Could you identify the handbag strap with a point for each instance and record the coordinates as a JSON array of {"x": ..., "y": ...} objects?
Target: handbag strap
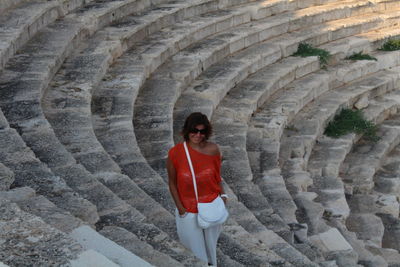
[{"x": 191, "y": 169}]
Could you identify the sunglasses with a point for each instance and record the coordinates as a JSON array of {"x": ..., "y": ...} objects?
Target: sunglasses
[{"x": 195, "y": 131}]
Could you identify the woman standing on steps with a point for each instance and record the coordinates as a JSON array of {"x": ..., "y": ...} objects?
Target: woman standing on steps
[{"x": 206, "y": 160}]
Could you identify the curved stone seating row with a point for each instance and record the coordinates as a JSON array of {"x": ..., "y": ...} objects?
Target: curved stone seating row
[
  {"x": 8, "y": 4},
  {"x": 260, "y": 121},
  {"x": 88, "y": 238},
  {"x": 273, "y": 118},
  {"x": 15, "y": 32},
  {"x": 39, "y": 14},
  {"x": 236, "y": 129},
  {"x": 359, "y": 174},
  {"x": 35, "y": 236},
  {"x": 329, "y": 187},
  {"x": 215, "y": 46},
  {"x": 309, "y": 131},
  {"x": 363, "y": 204},
  {"x": 148, "y": 135},
  {"x": 332, "y": 194},
  {"x": 92, "y": 163},
  {"x": 309, "y": 124},
  {"x": 286, "y": 44},
  {"x": 75, "y": 173},
  {"x": 29, "y": 171},
  {"x": 386, "y": 183},
  {"x": 6, "y": 177},
  {"x": 38, "y": 134},
  {"x": 138, "y": 170}
]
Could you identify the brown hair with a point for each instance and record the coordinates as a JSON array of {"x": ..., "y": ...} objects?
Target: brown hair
[{"x": 194, "y": 119}]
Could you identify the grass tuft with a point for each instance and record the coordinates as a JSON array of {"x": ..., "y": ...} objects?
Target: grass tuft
[
  {"x": 306, "y": 50},
  {"x": 351, "y": 121},
  {"x": 361, "y": 56},
  {"x": 391, "y": 45}
]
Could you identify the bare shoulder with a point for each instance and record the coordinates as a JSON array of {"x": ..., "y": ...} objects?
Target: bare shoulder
[{"x": 212, "y": 149}]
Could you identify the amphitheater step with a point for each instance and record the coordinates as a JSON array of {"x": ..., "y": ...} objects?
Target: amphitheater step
[
  {"x": 29, "y": 171},
  {"x": 205, "y": 48},
  {"x": 365, "y": 257},
  {"x": 129, "y": 241},
  {"x": 300, "y": 121},
  {"x": 362, "y": 182},
  {"x": 84, "y": 235},
  {"x": 89, "y": 162},
  {"x": 115, "y": 209},
  {"x": 30, "y": 241},
  {"x": 89, "y": 239},
  {"x": 15, "y": 32},
  {"x": 332, "y": 193},
  {"x": 6, "y": 177},
  {"x": 282, "y": 46}
]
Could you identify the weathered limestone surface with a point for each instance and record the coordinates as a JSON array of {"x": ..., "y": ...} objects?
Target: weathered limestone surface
[
  {"x": 6, "y": 177},
  {"x": 93, "y": 93},
  {"x": 27, "y": 240}
]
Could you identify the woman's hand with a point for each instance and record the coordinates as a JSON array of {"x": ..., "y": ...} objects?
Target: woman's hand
[
  {"x": 182, "y": 211},
  {"x": 224, "y": 198}
]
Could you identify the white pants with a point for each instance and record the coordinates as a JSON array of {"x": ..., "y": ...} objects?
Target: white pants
[{"x": 202, "y": 242}]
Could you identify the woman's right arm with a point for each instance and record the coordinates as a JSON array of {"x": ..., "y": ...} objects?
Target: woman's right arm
[{"x": 173, "y": 188}]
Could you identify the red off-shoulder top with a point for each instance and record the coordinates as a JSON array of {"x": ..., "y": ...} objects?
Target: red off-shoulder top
[{"x": 207, "y": 169}]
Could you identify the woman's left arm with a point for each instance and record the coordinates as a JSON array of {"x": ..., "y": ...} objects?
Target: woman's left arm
[{"x": 223, "y": 195}]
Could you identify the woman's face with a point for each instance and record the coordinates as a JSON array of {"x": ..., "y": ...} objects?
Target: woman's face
[{"x": 197, "y": 134}]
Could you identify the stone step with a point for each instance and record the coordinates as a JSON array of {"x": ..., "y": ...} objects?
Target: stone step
[
  {"x": 8, "y": 4},
  {"x": 30, "y": 171},
  {"x": 73, "y": 128},
  {"x": 363, "y": 201},
  {"x": 92, "y": 166},
  {"x": 365, "y": 257},
  {"x": 88, "y": 238},
  {"x": 244, "y": 104},
  {"x": 27, "y": 240},
  {"x": 227, "y": 73},
  {"x": 7, "y": 177},
  {"x": 36, "y": 14},
  {"x": 37, "y": 132},
  {"x": 285, "y": 104},
  {"x": 300, "y": 183},
  {"x": 367, "y": 163},
  {"x": 130, "y": 242},
  {"x": 297, "y": 142},
  {"x": 208, "y": 49},
  {"x": 332, "y": 192},
  {"x": 391, "y": 256}
]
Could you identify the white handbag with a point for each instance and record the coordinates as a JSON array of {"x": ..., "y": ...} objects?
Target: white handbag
[{"x": 212, "y": 213}]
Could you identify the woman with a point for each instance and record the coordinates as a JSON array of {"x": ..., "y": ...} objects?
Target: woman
[{"x": 206, "y": 160}]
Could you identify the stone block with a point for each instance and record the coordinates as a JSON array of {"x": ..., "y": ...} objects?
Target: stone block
[
  {"x": 138, "y": 247},
  {"x": 388, "y": 204},
  {"x": 92, "y": 258},
  {"x": 362, "y": 102},
  {"x": 391, "y": 236},
  {"x": 330, "y": 241},
  {"x": 310, "y": 213},
  {"x": 27, "y": 240},
  {"x": 18, "y": 194},
  {"x": 367, "y": 227},
  {"x": 3, "y": 121},
  {"x": 388, "y": 185},
  {"x": 363, "y": 203},
  {"x": 6, "y": 177},
  {"x": 92, "y": 240}
]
